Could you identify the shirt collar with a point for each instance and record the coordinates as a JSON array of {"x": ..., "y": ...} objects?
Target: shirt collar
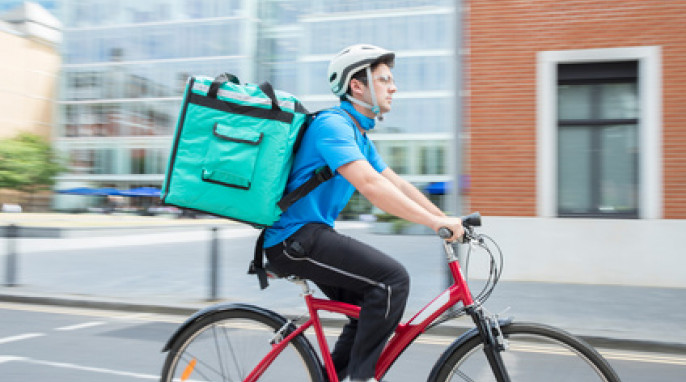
[{"x": 365, "y": 122}]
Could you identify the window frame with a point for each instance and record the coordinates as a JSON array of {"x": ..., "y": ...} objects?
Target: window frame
[
  {"x": 595, "y": 76},
  {"x": 650, "y": 172}
]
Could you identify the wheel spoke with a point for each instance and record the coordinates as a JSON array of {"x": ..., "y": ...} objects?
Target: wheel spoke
[
  {"x": 220, "y": 358},
  {"x": 200, "y": 365},
  {"x": 464, "y": 376}
]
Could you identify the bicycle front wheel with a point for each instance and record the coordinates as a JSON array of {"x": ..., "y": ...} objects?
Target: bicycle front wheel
[
  {"x": 228, "y": 345},
  {"x": 536, "y": 353}
]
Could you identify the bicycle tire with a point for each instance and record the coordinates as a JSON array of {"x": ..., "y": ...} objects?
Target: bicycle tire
[
  {"x": 536, "y": 353},
  {"x": 227, "y": 345}
]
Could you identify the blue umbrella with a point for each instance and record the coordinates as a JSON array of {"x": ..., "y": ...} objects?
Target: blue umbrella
[
  {"x": 90, "y": 191},
  {"x": 443, "y": 188},
  {"x": 439, "y": 188},
  {"x": 142, "y": 191},
  {"x": 79, "y": 191},
  {"x": 107, "y": 191}
]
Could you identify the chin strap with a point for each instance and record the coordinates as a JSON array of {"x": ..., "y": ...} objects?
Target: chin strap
[{"x": 375, "y": 107}]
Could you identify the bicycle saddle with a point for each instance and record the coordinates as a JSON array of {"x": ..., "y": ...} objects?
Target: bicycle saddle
[{"x": 274, "y": 273}]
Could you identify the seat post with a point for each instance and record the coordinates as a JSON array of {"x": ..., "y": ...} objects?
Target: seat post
[{"x": 307, "y": 291}]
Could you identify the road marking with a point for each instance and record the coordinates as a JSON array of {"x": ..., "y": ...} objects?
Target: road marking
[
  {"x": 78, "y": 367},
  {"x": 92, "y": 312},
  {"x": 644, "y": 357},
  {"x": 60, "y": 310},
  {"x": 430, "y": 339},
  {"x": 5, "y": 358},
  {"x": 81, "y": 326},
  {"x": 91, "y": 369},
  {"x": 20, "y": 337}
]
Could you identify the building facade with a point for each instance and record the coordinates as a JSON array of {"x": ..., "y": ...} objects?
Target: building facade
[
  {"x": 557, "y": 81},
  {"x": 576, "y": 127},
  {"x": 125, "y": 65},
  {"x": 29, "y": 41}
]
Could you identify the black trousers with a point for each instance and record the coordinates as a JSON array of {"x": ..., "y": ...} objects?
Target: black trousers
[{"x": 350, "y": 271}]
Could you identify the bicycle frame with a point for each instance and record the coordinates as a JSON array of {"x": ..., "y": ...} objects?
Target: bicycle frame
[{"x": 404, "y": 334}]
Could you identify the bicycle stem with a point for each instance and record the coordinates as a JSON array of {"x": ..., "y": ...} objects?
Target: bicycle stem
[{"x": 449, "y": 251}]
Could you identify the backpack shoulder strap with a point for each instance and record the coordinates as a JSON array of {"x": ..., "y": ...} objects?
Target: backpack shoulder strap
[
  {"x": 320, "y": 176},
  {"x": 257, "y": 264}
]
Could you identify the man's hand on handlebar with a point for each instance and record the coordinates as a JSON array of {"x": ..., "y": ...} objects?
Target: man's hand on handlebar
[{"x": 455, "y": 231}]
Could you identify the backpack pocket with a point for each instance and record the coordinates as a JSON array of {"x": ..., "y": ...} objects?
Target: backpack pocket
[{"x": 231, "y": 156}]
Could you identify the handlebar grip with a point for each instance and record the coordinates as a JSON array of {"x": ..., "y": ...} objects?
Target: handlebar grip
[
  {"x": 472, "y": 220},
  {"x": 445, "y": 233}
]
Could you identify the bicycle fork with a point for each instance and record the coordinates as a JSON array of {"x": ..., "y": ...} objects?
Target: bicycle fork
[{"x": 493, "y": 340}]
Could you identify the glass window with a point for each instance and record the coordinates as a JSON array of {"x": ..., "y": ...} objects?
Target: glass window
[
  {"x": 71, "y": 128},
  {"x": 619, "y": 161},
  {"x": 432, "y": 159},
  {"x": 138, "y": 161},
  {"x": 574, "y": 101},
  {"x": 597, "y": 140},
  {"x": 155, "y": 162},
  {"x": 397, "y": 158},
  {"x": 104, "y": 161},
  {"x": 574, "y": 169},
  {"x": 81, "y": 161},
  {"x": 619, "y": 101}
]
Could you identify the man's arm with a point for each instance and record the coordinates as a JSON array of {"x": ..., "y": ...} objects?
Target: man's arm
[
  {"x": 411, "y": 191},
  {"x": 385, "y": 195}
]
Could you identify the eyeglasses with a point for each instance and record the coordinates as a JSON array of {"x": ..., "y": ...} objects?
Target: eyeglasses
[{"x": 385, "y": 79}]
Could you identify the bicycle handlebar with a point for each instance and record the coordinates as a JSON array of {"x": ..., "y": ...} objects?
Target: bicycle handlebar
[{"x": 469, "y": 221}]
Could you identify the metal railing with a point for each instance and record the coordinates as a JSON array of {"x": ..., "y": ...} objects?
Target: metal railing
[{"x": 12, "y": 232}]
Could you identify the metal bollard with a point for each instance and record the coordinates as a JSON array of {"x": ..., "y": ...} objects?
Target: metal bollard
[
  {"x": 11, "y": 233},
  {"x": 214, "y": 264}
]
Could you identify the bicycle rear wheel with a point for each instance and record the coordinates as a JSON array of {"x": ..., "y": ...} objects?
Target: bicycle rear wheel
[
  {"x": 536, "y": 353},
  {"x": 227, "y": 345}
]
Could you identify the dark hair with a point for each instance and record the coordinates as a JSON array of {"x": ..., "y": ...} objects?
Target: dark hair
[{"x": 361, "y": 75}]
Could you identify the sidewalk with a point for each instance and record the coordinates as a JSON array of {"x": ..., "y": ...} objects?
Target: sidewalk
[
  {"x": 55, "y": 225},
  {"x": 614, "y": 316}
]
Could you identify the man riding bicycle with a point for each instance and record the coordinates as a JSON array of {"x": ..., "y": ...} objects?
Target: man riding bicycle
[{"x": 304, "y": 243}]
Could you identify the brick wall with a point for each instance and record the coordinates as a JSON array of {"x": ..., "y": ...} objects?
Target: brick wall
[{"x": 504, "y": 37}]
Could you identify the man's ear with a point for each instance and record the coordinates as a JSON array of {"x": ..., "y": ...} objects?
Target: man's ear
[{"x": 356, "y": 87}]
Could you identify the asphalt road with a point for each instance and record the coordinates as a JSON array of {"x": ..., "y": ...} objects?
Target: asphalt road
[{"x": 51, "y": 343}]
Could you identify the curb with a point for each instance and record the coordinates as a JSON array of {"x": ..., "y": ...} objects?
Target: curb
[
  {"x": 52, "y": 232},
  {"x": 446, "y": 330},
  {"x": 74, "y": 302}
]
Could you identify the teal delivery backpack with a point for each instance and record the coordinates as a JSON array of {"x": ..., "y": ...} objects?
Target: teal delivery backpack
[{"x": 233, "y": 150}]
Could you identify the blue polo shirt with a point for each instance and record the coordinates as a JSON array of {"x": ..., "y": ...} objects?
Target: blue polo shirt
[{"x": 333, "y": 140}]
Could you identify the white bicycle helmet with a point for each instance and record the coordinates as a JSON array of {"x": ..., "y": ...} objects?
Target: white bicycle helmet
[{"x": 351, "y": 60}]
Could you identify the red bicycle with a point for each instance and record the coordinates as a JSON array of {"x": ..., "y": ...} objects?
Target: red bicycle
[{"x": 239, "y": 342}]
